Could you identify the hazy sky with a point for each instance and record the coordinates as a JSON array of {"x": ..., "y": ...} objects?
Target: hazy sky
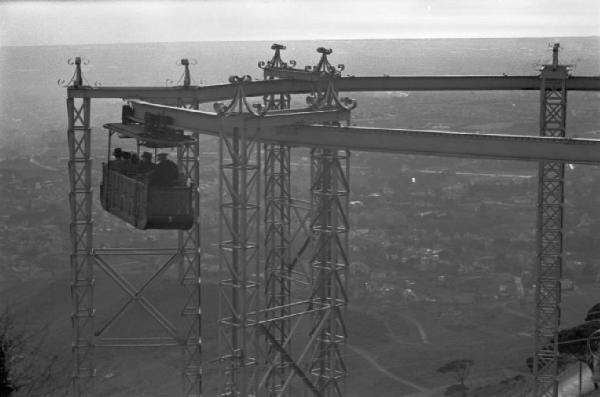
[{"x": 79, "y": 22}]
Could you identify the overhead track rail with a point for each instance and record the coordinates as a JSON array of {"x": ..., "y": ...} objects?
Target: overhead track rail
[
  {"x": 280, "y": 128},
  {"x": 344, "y": 84}
]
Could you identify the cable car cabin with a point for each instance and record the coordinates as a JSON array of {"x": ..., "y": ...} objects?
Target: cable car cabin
[
  {"x": 134, "y": 198},
  {"x": 143, "y": 205}
]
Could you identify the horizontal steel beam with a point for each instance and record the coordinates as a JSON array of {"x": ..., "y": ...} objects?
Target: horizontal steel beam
[
  {"x": 285, "y": 128},
  {"x": 211, "y": 123},
  {"x": 440, "y": 143},
  {"x": 384, "y": 83}
]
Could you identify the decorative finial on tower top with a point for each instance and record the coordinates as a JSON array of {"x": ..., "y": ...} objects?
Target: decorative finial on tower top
[
  {"x": 239, "y": 103},
  {"x": 555, "y": 70},
  {"x": 186, "y": 73},
  {"x": 324, "y": 67},
  {"x": 77, "y": 79},
  {"x": 276, "y": 61},
  {"x": 555, "y": 48}
]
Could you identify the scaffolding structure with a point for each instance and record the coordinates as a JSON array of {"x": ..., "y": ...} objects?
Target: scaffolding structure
[{"x": 284, "y": 291}]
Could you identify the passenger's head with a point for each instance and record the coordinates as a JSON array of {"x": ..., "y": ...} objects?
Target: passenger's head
[
  {"x": 118, "y": 153},
  {"x": 162, "y": 156},
  {"x": 126, "y": 156},
  {"x": 147, "y": 156},
  {"x": 134, "y": 158}
]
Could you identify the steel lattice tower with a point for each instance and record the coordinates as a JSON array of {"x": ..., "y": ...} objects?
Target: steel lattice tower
[
  {"x": 278, "y": 241},
  {"x": 81, "y": 228},
  {"x": 189, "y": 275},
  {"x": 239, "y": 231},
  {"x": 330, "y": 193},
  {"x": 188, "y": 157},
  {"x": 88, "y": 333},
  {"x": 553, "y": 98}
]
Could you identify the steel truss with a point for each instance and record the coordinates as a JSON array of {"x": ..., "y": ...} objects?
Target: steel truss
[
  {"x": 239, "y": 234},
  {"x": 278, "y": 288},
  {"x": 189, "y": 274},
  {"x": 188, "y": 159},
  {"x": 103, "y": 258},
  {"x": 553, "y": 99},
  {"x": 330, "y": 190},
  {"x": 81, "y": 230},
  {"x": 88, "y": 334},
  {"x": 278, "y": 241},
  {"x": 306, "y": 356},
  {"x": 290, "y": 285}
]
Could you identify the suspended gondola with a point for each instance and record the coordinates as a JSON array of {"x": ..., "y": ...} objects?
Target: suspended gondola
[{"x": 132, "y": 193}]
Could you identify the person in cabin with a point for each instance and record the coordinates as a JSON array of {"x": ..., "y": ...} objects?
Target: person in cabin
[
  {"x": 135, "y": 160},
  {"x": 127, "y": 165},
  {"x": 165, "y": 173},
  {"x": 146, "y": 165},
  {"x": 117, "y": 163}
]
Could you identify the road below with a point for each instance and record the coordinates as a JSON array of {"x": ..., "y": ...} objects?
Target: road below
[
  {"x": 419, "y": 326},
  {"x": 364, "y": 354}
]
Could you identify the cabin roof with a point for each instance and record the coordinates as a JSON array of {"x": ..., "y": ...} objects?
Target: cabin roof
[{"x": 163, "y": 139}]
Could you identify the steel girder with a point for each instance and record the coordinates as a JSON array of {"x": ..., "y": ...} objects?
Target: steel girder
[
  {"x": 287, "y": 83},
  {"x": 553, "y": 98},
  {"x": 330, "y": 192},
  {"x": 81, "y": 231},
  {"x": 278, "y": 129}
]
